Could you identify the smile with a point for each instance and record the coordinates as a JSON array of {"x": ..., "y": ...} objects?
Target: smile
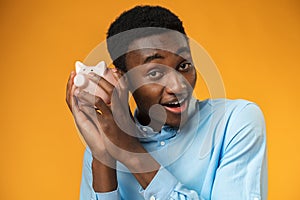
[{"x": 176, "y": 107}]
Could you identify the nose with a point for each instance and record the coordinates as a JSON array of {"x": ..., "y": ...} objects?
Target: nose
[{"x": 175, "y": 83}]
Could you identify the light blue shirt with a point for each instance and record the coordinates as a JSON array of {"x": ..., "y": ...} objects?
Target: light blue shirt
[{"x": 219, "y": 154}]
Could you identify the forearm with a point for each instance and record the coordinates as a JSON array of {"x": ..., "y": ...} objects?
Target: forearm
[
  {"x": 144, "y": 177},
  {"x": 104, "y": 177}
]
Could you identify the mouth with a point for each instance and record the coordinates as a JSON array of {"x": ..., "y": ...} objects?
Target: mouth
[{"x": 177, "y": 106}]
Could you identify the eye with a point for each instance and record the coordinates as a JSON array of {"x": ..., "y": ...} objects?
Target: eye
[
  {"x": 155, "y": 74},
  {"x": 183, "y": 67}
]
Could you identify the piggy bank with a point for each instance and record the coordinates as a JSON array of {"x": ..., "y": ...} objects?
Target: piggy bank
[{"x": 82, "y": 81}]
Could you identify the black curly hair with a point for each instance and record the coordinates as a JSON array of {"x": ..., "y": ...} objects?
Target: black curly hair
[{"x": 134, "y": 23}]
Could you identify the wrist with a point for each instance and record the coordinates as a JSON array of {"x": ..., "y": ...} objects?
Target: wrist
[
  {"x": 104, "y": 176},
  {"x": 144, "y": 168}
]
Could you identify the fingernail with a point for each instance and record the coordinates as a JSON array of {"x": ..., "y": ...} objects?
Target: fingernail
[
  {"x": 114, "y": 70},
  {"x": 91, "y": 74},
  {"x": 94, "y": 76},
  {"x": 76, "y": 92}
]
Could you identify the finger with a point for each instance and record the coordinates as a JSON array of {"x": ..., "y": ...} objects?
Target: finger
[
  {"x": 84, "y": 97},
  {"x": 93, "y": 101},
  {"x": 102, "y": 83},
  {"x": 69, "y": 88},
  {"x": 117, "y": 74},
  {"x": 120, "y": 107},
  {"x": 79, "y": 116},
  {"x": 90, "y": 133},
  {"x": 90, "y": 113},
  {"x": 87, "y": 125},
  {"x": 120, "y": 93},
  {"x": 84, "y": 115},
  {"x": 122, "y": 79}
]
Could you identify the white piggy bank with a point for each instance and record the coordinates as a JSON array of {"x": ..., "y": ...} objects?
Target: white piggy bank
[{"x": 81, "y": 80}]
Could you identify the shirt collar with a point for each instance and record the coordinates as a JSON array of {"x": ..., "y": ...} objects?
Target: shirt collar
[{"x": 147, "y": 134}]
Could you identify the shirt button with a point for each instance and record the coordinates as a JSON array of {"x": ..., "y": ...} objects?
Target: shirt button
[
  {"x": 144, "y": 129},
  {"x": 162, "y": 143},
  {"x": 152, "y": 197}
]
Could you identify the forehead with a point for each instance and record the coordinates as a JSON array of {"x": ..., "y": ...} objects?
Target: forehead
[{"x": 169, "y": 41}]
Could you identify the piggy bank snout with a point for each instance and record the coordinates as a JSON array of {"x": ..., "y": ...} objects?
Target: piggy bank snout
[{"x": 80, "y": 81}]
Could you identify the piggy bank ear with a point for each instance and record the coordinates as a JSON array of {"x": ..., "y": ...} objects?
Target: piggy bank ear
[
  {"x": 79, "y": 65},
  {"x": 101, "y": 65}
]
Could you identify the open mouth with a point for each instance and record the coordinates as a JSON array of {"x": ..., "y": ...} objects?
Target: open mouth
[{"x": 177, "y": 107}]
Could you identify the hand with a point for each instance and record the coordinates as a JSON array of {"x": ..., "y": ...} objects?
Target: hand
[
  {"x": 103, "y": 135},
  {"x": 86, "y": 122},
  {"x": 116, "y": 124},
  {"x": 105, "y": 120}
]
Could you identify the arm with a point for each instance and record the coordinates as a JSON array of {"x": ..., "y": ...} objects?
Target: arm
[
  {"x": 245, "y": 147},
  {"x": 87, "y": 189},
  {"x": 121, "y": 144},
  {"x": 104, "y": 173},
  {"x": 94, "y": 127},
  {"x": 104, "y": 177},
  {"x": 242, "y": 172}
]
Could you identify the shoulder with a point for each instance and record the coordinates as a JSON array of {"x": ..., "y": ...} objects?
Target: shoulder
[
  {"x": 233, "y": 119},
  {"x": 245, "y": 126},
  {"x": 229, "y": 108}
]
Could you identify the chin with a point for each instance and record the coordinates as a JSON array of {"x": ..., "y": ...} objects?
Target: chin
[{"x": 177, "y": 121}]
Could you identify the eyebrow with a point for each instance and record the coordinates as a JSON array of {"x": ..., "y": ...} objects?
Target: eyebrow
[
  {"x": 158, "y": 56},
  {"x": 153, "y": 57}
]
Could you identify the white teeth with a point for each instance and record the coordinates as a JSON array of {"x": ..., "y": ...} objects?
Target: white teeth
[{"x": 177, "y": 102}]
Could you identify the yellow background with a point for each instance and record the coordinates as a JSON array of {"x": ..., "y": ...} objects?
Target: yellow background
[{"x": 254, "y": 43}]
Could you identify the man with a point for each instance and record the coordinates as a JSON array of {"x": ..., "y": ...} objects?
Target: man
[{"x": 174, "y": 146}]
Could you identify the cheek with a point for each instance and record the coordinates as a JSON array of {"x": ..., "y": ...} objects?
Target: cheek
[
  {"x": 191, "y": 78},
  {"x": 148, "y": 95}
]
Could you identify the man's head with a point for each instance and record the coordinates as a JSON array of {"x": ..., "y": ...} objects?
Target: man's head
[
  {"x": 134, "y": 24},
  {"x": 149, "y": 44}
]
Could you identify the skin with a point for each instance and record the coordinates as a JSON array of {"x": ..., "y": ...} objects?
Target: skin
[
  {"x": 156, "y": 77},
  {"x": 165, "y": 74}
]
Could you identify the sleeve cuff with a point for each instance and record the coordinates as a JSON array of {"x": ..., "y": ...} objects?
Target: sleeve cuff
[
  {"x": 113, "y": 195},
  {"x": 157, "y": 189}
]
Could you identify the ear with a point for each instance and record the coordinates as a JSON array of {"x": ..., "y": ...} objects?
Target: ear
[
  {"x": 101, "y": 64},
  {"x": 78, "y": 66}
]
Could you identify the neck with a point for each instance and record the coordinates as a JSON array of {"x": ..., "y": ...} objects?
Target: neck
[{"x": 146, "y": 120}]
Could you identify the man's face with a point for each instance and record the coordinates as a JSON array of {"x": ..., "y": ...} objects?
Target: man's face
[{"x": 161, "y": 73}]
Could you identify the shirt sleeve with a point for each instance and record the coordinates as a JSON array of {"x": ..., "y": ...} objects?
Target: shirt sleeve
[
  {"x": 242, "y": 171},
  {"x": 165, "y": 186},
  {"x": 114, "y": 195},
  {"x": 86, "y": 188}
]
